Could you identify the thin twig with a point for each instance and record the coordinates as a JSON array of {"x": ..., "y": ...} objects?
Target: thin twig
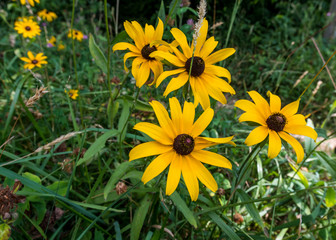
[{"x": 319, "y": 52}]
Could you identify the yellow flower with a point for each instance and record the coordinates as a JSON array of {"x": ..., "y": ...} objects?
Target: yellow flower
[
  {"x": 204, "y": 76},
  {"x": 178, "y": 144},
  {"x": 60, "y": 47},
  {"x": 145, "y": 42},
  {"x": 76, "y": 34},
  {"x": 52, "y": 41},
  {"x": 27, "y": 27},
  {"x": 47, "y": 15},
  {"x": 72, "y": 93},
  {"x": 276, "y": 123},
  {"x": 34, "y": 61},
  {"x": 31, "y": 2}
]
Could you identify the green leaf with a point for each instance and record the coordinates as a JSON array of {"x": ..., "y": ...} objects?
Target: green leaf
[
  {"x": 139, "y": 217},
  {"x": 225, "y": 228},
  {"x": 182, "y": 206},
  {"x": 59, "y": 187},
  {"x": 328, "y": 163},
  {"x": 250, "y": 207},
  {"x": 5, "y": 231},
  {"x": 97, "y": 54},
  {"x": 97, "y": 146},
  {"x": 116, "y": 176},
  {"x": 330, "y": 197},
  {"x": 121, "y": 37},
  {"x": 123, "y": 120},
  {"x": 32, "y": 177},
  {"x": 162, "y": 14}
]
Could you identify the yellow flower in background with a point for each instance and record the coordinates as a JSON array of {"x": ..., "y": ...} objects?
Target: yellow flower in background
[
  {"x": 73, "y": 93},
  {"x": 143, "y": 64},
  {"x": 31, "y": 2},
  {"x": 76, "y": 34},
  {"x": 60, "y": 47},
  {"x": 47, "y": 15},
  {"x": 27, "y": 27},
  {"x": 52, "y": 41},
  {"x": 204, "y": 76},
  {"x": 34, "y": 61},
  {"x": 178, "y": 143},
  {"x": 276, "y": 123}
]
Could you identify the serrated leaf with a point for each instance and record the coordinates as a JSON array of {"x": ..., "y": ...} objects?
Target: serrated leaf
[
  {"x": 139, "y": 217},
  {"x": 97, "y": 54},
  {"x": 182, "y": 206},
  {"x": 330, "y": 197},
  {"x": 97, "y": 146},
  {"x": 250, "y": 207},
  {"x": 225, "y": 228}
]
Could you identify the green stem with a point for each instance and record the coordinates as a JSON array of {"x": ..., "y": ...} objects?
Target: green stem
[
  {"x": 74, "y": 60},
  {"x": 108, "y": 49}
]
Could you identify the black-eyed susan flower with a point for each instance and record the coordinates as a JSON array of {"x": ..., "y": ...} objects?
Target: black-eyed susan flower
[
  {"x": 31, "y": 2},
  {"x": 204, "y": 75},
  {"x": 73, "y": 93},
  {"x": 47, "y": 15},
  {"x": 75, "y": 34},
  {"x": 178, "y": 143},
  {"x": 27, "y": 27},
  {"x": 145, "y": 42},
  {"x": 34, "y": 61},
  {"x": 275, "y": 122}
]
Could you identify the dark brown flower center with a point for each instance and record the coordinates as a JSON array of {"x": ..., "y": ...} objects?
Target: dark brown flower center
[
  {"x": 276, "y": 122},
  {"x": 198, "y": 66},
  {"x": 47, "y": 12},
  {"x": 76, "y": 33},
  {"x": 183, "y": 144},
  {"x": 28, "y": 28},
  {"x": 34, "y": 61},
  {"x": 147, "y": 50}
]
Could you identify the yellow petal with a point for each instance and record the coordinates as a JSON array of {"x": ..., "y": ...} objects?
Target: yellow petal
[
  {"x": 202, "y": 36},
  {"x": 132, "y": 32},
  {"x": 157, "y": 69},
  {"x": 157, "y": 166},
  {"x": 245, "y": 105},
  {"x": 201, "y": 91},
  {"x": 290, "y": 109},
  {"x": 261, "y": 104},
  {"x": 154, "y": 132},
  {"x": 220, "y": 55},
  {"x": 252, "y": 116},
  {"x": 166, "y": 74},
  {"x": 297, "y": 119},
  {"x": 124, "y": 46},
  {"x": 148, "y": 149},
  {"x": 182, "y": 40},
  {"x": 203, "y": 174},
  {"x": 176, "y": 114},
  {"x": 174, "y": 174},
  {"x": 25, "y": 59},
  {"x": 179, "y": 55},
  {"x": 301, "y": 130},
  {"x": 202, "y": 122},
  {"x": 167, "y": 56},
  {"x": 149, "y": 33},
  {"x": 274, "y": 145},
  {"x": 218, "y": 71},
  {"x": 208, "y": 47},
  {"x": 140, "y": 35},
  {"x": 219, "y": 83},
  {"x": 176, "y": 83},
  {"x": 127, "y": 56},
  {"x": 220, "y": 140},
  {"x": 295, "y": 144},
  {"x": 190, "y": 178},
  {"x": 163, "y": 118},
  {"x": 143, "y": 74},
  {"x": 188, "y": 116},
  {"x": 211, "y": 158},
  {"x": 275, "y": 103},
  {"x": 256, "y": 136},
  {"x": 30, "y": 55},
  {"x": 158, "y": 31},
  {"x": 216, "y": 94}
]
